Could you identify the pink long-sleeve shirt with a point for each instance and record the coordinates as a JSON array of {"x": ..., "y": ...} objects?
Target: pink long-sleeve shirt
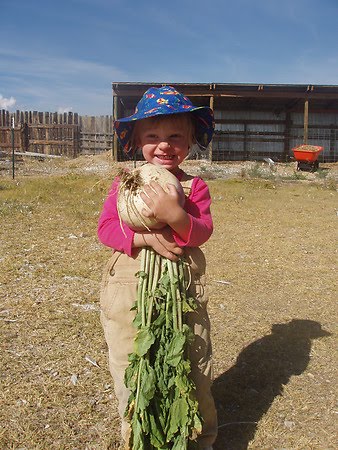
[{"x": 197, "y": 205}]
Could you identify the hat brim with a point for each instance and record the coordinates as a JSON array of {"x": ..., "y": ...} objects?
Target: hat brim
[{"x": 204, "y": 124}]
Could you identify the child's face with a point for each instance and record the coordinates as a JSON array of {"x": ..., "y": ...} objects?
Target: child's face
[{"x": 164, "y": 142}]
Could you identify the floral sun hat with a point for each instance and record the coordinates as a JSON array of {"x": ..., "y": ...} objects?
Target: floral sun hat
[{"x": 164, "y": 101}]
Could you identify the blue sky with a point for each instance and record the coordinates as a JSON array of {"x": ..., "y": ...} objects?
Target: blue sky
[{"x": 63, "y": 55}]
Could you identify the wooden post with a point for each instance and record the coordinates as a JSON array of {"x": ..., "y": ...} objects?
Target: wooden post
[
  {"x": 287, "y": 136},
  {"x": 48, "y": 135},
  {"x": 306, "y": 121},
  {"x": 246, "y": 154},
  {"x": 115, "y": 141},
  {"x": 24, "y": 136},
  {"x": 332, "y": 144},
  {"x": 35, "y": 131},
  {"x": 13, "y": 152},
  {"x": 211, "y": 104}
]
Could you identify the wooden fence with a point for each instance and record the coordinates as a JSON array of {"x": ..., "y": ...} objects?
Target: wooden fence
[
  {"x": 58, "y": 134},
  {"x": 96, "y": 134}
]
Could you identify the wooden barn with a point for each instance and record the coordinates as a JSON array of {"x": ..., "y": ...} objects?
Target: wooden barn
[{"x": 253, "y": 121}]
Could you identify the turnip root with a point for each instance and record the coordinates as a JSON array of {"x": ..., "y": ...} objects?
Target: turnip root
[{"x": 130, "y": 203}]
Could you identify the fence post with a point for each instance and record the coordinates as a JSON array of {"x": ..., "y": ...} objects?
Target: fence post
[
  {"x": 246, "y": 153},
  {"x": 332, "y": 143},
  {"x": 24, "y": 137},
  {"x": 77, "y": 149},
  {"x": 211, "y": 104},
  {"x": 306, "y": 121},
  {"x": 115, "y": 142},
  {"x": 287, "y": 136},
  {"x": 13, "y": 153}
]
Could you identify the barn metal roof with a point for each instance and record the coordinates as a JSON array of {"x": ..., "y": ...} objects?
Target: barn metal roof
[{"x": 283, "y": 96}]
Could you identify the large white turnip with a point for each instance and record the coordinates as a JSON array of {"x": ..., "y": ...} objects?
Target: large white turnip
[{"x": 130, "y": 203}]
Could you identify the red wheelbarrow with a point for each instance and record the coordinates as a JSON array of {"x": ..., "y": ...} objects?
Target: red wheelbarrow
[{"x": 307, "y": 157}]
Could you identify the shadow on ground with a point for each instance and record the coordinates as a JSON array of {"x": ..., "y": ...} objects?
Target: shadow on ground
[{"x": 245, "y": 392}]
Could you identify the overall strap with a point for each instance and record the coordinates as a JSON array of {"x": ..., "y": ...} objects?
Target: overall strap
[{"x": 186, "y": 183}]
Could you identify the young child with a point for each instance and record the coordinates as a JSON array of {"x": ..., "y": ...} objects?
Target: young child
[{"x": 164, "y": 126}]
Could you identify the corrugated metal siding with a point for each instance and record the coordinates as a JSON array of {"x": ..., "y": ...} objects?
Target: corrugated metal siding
[
  {"x": 241, "y": 138},
  {"x": 247, "y": 115},
  {"x": 247, "y": 141},
  {"x": 315, "y": 118},
  {"x": 254, "y": 141},
  {"x": 319, "y": 133}
]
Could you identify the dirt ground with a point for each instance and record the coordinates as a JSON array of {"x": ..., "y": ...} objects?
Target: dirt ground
[{"x": 272, "y": 282}]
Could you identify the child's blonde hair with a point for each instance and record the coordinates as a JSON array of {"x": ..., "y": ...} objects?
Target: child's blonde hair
[{"x": 186, "y": 119}]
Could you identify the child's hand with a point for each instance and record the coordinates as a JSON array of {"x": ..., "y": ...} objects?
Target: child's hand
[
  {"x": 161, "y": 241},
  {"x": 162, "y": 204},
  {"x": 165, "y": 207}
]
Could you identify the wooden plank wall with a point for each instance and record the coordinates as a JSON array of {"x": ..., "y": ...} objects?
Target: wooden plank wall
[
  {"x": 49, "y": 133},
  {"x": 96, "y": 134}
]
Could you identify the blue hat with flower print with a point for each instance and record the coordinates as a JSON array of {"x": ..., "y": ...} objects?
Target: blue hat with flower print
[{"x": 161, "y": 101}]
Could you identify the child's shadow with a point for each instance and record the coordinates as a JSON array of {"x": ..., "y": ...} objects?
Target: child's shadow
[{"x": 245, "y": 392}]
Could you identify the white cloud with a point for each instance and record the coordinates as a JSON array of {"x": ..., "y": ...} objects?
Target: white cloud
[
  {"x": 6, "y": 103},
  {"x": 64, "y": 109}
]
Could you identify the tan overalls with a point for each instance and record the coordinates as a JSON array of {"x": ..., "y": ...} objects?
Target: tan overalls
[{"x": 118, "y": 294}]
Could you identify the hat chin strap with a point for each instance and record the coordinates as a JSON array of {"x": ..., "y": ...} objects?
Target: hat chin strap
[
  {"x": 203, "y": 147},
  {"x": 134, "y": 158},
  {"x": 193, "y": 151}
]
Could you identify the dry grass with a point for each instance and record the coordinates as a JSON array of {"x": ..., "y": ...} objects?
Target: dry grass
[
  {"x": 275, "y": 245},
  {"x": 272, "y": 280}
]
